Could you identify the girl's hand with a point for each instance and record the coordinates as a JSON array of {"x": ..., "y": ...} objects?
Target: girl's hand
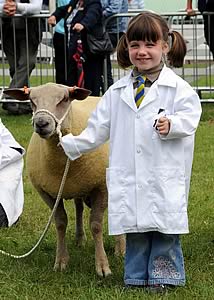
[
  {"x": 78, "y": 27},
  {"x": 163, "y": 125}
]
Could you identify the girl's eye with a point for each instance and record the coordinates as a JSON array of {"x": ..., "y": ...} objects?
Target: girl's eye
[
  {"x": 133, "y": 45},
  {"x": 150, "y": 44}
]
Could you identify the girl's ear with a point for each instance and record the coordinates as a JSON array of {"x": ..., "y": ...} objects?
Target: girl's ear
[{"x": 165, "y": 48}]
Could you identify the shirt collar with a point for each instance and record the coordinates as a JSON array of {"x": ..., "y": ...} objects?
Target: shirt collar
[{"x": 151, "y": 75}]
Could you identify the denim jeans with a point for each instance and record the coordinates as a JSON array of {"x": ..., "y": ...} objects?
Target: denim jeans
[{"x": 153, "y": 258}]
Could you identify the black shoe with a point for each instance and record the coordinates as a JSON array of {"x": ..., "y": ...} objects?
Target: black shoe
[{"x": 157, "y": 289}]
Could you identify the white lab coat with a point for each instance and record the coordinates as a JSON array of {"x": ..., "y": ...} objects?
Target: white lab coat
[
  {"x": 11, "y": 184},
  {"x": 149, "y": 174}
]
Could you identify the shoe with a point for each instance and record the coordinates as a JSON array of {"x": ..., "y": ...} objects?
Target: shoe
[{"x": 157, "y": 289}]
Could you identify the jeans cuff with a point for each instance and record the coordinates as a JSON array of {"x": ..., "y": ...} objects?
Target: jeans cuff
[
  {"x": 135, "y": 282},
  {"x": 167, "y": 281}
]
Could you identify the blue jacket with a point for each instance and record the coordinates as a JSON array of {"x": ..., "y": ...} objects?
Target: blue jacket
[
  {"x": 60, "y": 25},
  {"x": 111, "y": 7}
]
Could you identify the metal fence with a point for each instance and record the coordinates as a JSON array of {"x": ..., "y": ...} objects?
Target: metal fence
[{"x": 197, "y": 69}]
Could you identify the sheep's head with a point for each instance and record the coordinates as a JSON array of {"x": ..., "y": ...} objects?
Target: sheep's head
[{"x": 50, "y": 97}]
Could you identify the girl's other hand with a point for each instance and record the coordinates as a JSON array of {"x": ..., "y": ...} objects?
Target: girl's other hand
[{"x": 163, "y": 125}]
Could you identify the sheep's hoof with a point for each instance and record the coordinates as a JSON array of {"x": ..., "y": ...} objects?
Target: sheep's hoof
[
  {"x": 81, "y": 240},
  {"x": 103, "y": 271},
  {"x": 61, "y": 265}
]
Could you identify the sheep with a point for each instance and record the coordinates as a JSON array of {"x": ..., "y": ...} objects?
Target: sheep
[{"x": 45, "y": 163}]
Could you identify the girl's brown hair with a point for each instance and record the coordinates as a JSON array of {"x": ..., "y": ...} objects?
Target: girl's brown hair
[{"x": 148, "y": 26}]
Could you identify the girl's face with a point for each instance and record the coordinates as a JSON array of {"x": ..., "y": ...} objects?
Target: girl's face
[{"x": 146, "y": 55}]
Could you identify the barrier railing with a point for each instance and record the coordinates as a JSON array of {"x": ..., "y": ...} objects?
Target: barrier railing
[{"x": 197, "y": 69}]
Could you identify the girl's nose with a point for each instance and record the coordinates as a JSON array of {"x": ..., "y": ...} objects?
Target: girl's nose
[{"x": 142, "y": 50}]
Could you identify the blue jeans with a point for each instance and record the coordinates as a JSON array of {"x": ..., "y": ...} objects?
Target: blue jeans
[{"x": 153, "y": 258}]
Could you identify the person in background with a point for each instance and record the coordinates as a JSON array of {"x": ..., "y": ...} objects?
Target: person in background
[
  {"x": 136, "y": 4},
  {"x": 82, "y": 16},
  {"x": 149, "y": 117},
  {"x": 60, "y": 47},
  {"x": 45, "y": 4},
  {"x": 205, "y": 5},
  {"x": 115, "y": 27},
  {"x": 21, "y": 56},
  {"x": 11, "y": 184}
]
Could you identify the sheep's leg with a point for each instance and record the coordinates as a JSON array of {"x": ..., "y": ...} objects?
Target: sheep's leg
[
  {"x": 98, "y": 206},
  {"x": 61, "y": 220},
  {"x": 80, "y": 233},
  {"x": 120, "y": 245}
]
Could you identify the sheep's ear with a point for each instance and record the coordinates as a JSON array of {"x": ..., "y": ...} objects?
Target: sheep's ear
[
  {"x": 18, "y": 93},
  {"x": 78, "y": 93}
]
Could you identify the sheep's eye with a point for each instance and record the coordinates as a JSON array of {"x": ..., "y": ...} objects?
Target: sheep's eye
[{"x": 65, "y": 99}]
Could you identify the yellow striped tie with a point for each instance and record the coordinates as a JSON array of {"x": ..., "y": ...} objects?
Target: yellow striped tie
[{"x": 140, "y": 94}]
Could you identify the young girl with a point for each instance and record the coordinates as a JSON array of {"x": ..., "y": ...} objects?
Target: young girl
[{"x": 151, "y": 152}]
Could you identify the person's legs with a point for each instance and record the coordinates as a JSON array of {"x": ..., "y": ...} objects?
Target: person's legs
[
  {"x": 59, "y": 43},
  {"x": 26, "y": 59},
  {"x": 138, "y": 247},
  {"x": 12, "y": 55},
  {"x": 93, "y": 68},
  {"x": 166, "y": 263},
  {"x": 22, "y": 60},
  {"x": 209, "y": 25}
]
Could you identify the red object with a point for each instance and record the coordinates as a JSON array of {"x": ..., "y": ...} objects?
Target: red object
[{"x": 78, "y": 57}]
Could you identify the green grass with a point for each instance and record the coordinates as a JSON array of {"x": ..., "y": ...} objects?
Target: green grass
[{"x": 33, "y": 278}]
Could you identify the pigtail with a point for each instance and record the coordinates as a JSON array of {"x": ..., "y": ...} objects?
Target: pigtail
[
  {"x": 177, "y": 50},
  {"x": 122, "y": 53}
]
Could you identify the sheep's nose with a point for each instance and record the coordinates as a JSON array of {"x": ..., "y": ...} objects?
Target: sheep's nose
[{"x": 41, "y": 123}]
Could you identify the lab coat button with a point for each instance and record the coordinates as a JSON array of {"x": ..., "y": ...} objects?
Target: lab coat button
[
  {"x": 139, "y": 186},
  {"x": 138, "y": 116},
  {"x": 138, "y": 150}
]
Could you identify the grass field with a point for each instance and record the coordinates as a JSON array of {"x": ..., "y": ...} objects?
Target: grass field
[{"x": 33, "y": 277}]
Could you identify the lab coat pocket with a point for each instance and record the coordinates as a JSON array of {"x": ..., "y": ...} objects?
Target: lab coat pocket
[
  {"x": 116, "y": 185},
  {"x": 169, "y": 190}
]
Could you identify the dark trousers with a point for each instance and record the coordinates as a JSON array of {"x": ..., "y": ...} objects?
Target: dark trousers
[
  {"x": 59, "y": 43},
  {"x": 209, "y": 26},
  {"x": 208, "y": 5},
  {"x": 21, "y": 57},
  {"x": 93, "y": 69}
]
